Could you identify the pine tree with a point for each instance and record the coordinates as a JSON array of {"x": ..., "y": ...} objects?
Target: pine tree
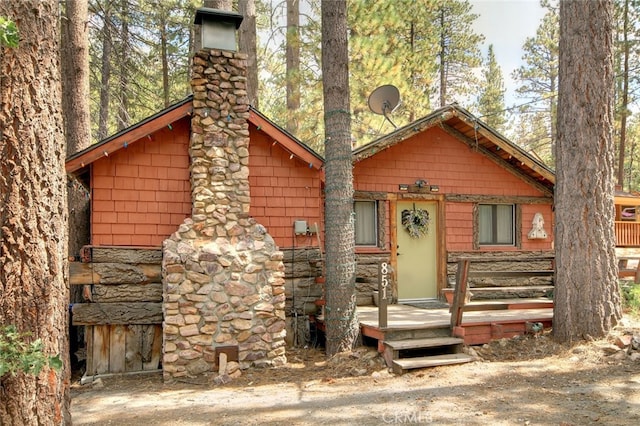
[
  {"x": 586, "y": 295},
  {"x": 247, "y": 39},
  {"x": 459, "y": 51},
  {"x": 340, "y": 263},
  {"x": 538, "y": 89},
  {"x": 627, "y": 59},
  {"x": 491, "y": 100},
  {"x": 293, "y": 65},
  {"x": 152, "y": 42},
  {"x": 33, "y": 212},
  {"x": 391, "y": 43}
]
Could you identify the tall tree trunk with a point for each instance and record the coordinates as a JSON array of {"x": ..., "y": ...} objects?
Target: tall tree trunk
[
  {"x": 553, "y": 108},
  {"x": 587, "y": 299},
  {"x": 123, "y": 87},
  {"x": 212, "y": 4},
  {"x": 412, "y": 41},
  {"x": 247, "y": 44},
  {"x": 74, "y": 62},
  {"x": 340, "y": 309},
  {"x": 165, "y": 61},
  {"x": 625, "y": 95},
  {"x": 293, "y": 65},
  {"x": 219, "y": 4},
  {"x": 33, "y": 211},
  {"x": 443, "y": 61},
  {"x": 105, "y": 72}
]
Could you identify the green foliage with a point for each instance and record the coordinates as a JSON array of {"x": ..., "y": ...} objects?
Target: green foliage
[
  {"x": 491, "y": 100},
  {"x": 134, "y": 45},
  {"x": 396, "y": 42},
  {"x": 459, "y": 51},
  {"x": 8, "y": 33},
  {"x": 405, "y": 60},
  {"x": 630, "y": 298},
  {"x": 538, "y": 89},
  {"x": 17, "y": 354}
]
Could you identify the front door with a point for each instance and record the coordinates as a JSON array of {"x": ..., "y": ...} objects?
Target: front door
[{"x": 417, "y": 271}]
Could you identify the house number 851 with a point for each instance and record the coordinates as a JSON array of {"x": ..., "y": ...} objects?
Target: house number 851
[{"x": 384, "y": 278}]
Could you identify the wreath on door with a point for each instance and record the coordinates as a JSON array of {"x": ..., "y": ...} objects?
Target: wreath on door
[{"x": 416, "y": 222}]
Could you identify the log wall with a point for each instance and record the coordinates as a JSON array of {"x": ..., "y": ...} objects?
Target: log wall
[
  {"x": 302, "y": 288},
  {"x": 523, "y": 261},
  {"x": 122, "y": 310},
  {"x": 123, "y": 315}
]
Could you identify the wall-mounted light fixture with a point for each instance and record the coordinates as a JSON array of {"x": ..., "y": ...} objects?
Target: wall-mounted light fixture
[
  {"x": 403, "y": 187},
  {"x": 434, "y": 188}
]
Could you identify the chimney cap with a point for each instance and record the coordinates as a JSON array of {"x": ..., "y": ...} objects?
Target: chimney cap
[{"x": 217, "y": 15}]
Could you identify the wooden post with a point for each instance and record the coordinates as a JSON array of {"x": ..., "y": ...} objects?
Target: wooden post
[
  {"x": 384, "y": 293},
  {"x": 459, "y": 295}
]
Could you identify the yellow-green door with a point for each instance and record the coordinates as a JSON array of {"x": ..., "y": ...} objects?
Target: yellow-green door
[{"x": 417, "y": 271}]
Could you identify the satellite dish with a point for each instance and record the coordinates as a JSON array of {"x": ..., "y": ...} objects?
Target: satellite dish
[{"x": 384, "y": 100}]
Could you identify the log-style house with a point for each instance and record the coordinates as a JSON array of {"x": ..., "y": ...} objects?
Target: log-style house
[
  {"x": 480, "y": 192},
  {"x": 207, "y": 223}
]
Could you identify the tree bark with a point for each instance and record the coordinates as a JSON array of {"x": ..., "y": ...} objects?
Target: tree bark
[
  {"x": 105, "y": 73},
  {"x": 587, "y": 299},
  {"x": 75, "y": 75},
  {"x": 74, "y": 62},
  {"x": 247, "y": 44},
  {"x": 293, "y": 65},
  {"x": 164, "y": 54},
  {"x": 218, "y": 4},
  {"x": 625, "y": 94},
  {"x": 443, "y": 61},
  {"x": 33, "y": 211},
  {"x": 123, "y": 86},
  {"x": 340, "y": 309}
]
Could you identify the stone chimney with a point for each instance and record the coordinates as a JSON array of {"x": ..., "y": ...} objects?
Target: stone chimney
[{"x": 223, "y": 275}]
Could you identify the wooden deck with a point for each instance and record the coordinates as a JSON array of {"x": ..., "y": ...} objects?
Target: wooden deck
[{"x": 406, "y": 322}]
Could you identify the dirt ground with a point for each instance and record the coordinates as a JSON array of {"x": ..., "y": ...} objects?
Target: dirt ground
[{"x": 522, "y": 381}]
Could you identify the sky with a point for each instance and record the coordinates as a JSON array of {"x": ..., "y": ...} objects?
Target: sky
[{"x": 506, "y": 24}]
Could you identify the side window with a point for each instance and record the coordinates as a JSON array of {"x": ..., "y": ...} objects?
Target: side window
[
  {"x": 366, "y": 226},
  {"x": 496, "y": 224}
]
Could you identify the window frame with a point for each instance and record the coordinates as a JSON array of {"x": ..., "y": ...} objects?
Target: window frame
[
  {"x": 376, "y": 223},
  {"x": 515, "y": 225}
]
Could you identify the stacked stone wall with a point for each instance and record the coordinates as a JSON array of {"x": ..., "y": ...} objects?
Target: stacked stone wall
[{"x": 222, "y": 272}]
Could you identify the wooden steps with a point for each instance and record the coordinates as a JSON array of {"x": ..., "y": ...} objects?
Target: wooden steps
[
  {"x": 401, "y": 365},
  {"x": 402, "y": 355}
]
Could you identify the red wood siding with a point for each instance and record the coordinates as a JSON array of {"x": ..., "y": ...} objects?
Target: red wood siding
[
  {"x": 441, "y": 160},
  {"x": 283, "y": 190},
  {"x": 455, "y": 168},
  {"x": 141, "y": 193},
  {"x": 459, "y": 227}
]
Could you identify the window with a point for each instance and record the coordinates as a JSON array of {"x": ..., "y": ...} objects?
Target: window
[
  {"x": 496, "y": 224},
  {"x": 366, "y": 223},
  {"x": 628, "y": 213}
]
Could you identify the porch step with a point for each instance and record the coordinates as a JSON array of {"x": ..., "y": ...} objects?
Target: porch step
[
  {"x": 399, "y": 345},
  {"x": 407, "y": 354},
  {"x": 401, "y": 365}
]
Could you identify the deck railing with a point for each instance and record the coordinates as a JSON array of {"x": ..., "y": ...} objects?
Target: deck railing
[
  {"x": 627, "y": 234},
  {"x": 463, "y": 273}
]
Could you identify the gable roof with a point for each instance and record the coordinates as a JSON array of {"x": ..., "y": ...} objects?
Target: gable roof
[
  {"x": 289, "y": 142},
  {"x": 77, "y": 164},
  {"x": 467, "y": 128}
]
